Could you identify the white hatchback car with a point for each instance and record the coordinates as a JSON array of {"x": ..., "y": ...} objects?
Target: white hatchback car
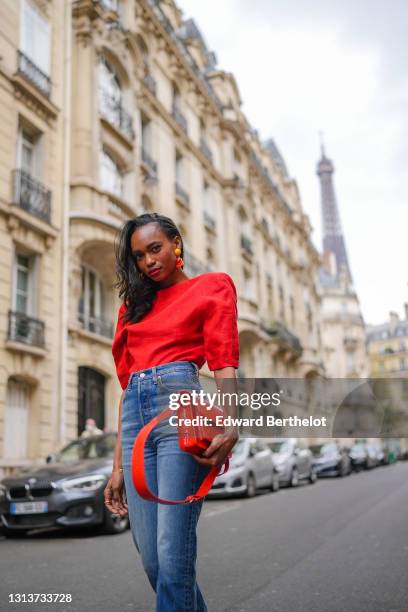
[{"x": 251, "y": 468}]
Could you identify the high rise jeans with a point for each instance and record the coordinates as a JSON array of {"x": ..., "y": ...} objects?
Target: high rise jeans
[{"x": 164, "y": 535}]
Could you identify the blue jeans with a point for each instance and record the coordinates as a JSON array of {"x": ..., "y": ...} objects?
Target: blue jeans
[{"x": 164, "y": 535}]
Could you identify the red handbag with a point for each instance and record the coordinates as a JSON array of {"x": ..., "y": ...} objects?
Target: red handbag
[{"x": 192, "y": 439}]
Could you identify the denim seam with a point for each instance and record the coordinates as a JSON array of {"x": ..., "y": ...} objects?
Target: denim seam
[{"x": 188, "y": 594}]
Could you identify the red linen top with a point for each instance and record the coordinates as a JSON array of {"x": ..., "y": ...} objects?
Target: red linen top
[{"x": 194, "y": 320}]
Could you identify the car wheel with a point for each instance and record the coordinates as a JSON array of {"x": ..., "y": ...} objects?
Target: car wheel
[
  {"x": 275, "y": 482},
  {"x": 312, "y": 475},
  {"x": 250, "y": 486},
  {"x": 341, "y": 471},
  {"x": 294, "y": 478},
  {"x": 113, "y": 523}
]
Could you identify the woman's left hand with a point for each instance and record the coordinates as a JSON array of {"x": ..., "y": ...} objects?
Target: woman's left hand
[{"x": 219, "y": 449}]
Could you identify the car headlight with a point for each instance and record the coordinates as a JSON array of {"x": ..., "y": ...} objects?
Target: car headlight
[
  {"x": 84, "y": 483},
  {"x": 3, "y": 491}
]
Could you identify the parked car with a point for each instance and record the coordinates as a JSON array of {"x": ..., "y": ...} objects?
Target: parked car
[
  {"x": 251, "y": 468},
  {"x": 330, "y": 459},
  {"x": 66, "y": 492},
  {"x": 362, "y": 457},
  {"x": 377, "y": 452},
  {"x": 293, "y": 460}
]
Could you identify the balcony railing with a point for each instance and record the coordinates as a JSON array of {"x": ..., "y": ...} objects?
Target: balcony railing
[
  {"x": 164, "y": 20},
  {"x": 150, "y": 83},
  {"x": 114, "y": 112},
  {"x": 179, "y": 118},
  {"x": 182, "y": 195},
  {"x": 25, "y": 329},
  {"x": 34, "y": 74},
  {"x": 205, "y": 150},
  {"x": 246, "y": 244},
  {"x": 96, "y": 325},
  {"x": 283, "y": 336},
  {"x": 209, "y": 221},
  {"x": 31, "y": 195},
  {"x": 150, "y": 163}
]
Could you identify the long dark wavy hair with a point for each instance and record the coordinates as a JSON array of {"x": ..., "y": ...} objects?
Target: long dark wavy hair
[{"x": 138, "y": 294}]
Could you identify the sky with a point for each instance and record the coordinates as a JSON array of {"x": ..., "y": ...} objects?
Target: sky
[{"x": 340, "y": 68}]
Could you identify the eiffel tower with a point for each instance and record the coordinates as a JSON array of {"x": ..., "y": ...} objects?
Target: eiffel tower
[{"x": 333, "y": 240}]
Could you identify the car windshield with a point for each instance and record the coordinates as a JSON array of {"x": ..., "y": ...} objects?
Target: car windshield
[
  {"x": 282, "y": 446},
  {"x": 357, "y": 447},
  {"x": 321, "y": 449},
  {"x": 100, "y": 447}
]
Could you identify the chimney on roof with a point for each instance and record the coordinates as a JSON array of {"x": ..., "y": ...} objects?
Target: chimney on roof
[{"x": 394, "y": 318}]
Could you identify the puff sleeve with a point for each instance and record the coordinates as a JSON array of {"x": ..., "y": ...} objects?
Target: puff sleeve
[
  {"x": 119, "y": 348},
  {"x": 220, "y": 330}
]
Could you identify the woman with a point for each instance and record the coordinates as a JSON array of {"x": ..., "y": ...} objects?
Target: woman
[{"x": 168, "y": 326}]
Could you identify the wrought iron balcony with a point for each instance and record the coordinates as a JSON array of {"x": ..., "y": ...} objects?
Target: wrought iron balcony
[
  {"x": 31, "y": 195},
  {"x": 209, "y": 221},
  {"x": 164, "y": 20},
  {"x": 179, "y": 118},
  {"x": 25, "y": 329},
  {"x": 150, "y": 83},
  {"x": 34, "y": 74},
  {"x": 182, "y": 195},
  {"x": 283, "y": 337},
  {"x": 96, "y": 325},
  {"x": 150, "y": 163},
  {"x": 205, "y": 150},
  {"x": 246, "y": 244},
  {"x": 114, "y": 112}
]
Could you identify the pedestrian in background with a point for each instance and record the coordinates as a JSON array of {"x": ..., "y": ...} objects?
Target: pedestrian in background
[{"x": 90, "y": 429}]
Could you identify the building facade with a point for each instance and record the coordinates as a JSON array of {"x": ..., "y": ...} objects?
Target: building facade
[
  {"x": 111, "y": 109},
  {"x": 388, "y": 347}
]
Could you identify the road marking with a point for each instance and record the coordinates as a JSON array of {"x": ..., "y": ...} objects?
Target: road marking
[{"x": 221, "y": 510}]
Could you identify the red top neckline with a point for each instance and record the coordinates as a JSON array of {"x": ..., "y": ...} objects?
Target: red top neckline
[{"x": 187, "y": 280}]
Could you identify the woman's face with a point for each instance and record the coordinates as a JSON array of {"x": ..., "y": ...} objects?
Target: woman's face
[{"x": 152, "y": 250}]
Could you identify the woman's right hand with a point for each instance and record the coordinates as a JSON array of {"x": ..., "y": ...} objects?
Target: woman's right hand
[{"x": 114, "y": 494}]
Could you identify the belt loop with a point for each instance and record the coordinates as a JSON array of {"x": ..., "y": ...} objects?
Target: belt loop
[{"x": 154, "y": 375}]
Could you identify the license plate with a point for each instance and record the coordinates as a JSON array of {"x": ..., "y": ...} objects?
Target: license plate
[{"x": 29, "y": 507}]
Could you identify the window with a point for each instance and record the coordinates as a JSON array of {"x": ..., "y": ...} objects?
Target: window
[
  {"x": 176, "y": 97},
  {"x": 110, "y": 175},
  {"x": 16, "y": 421},
  {"x": 281, "y": 303},
  {"x": 92, "y": 301},
  {"x": 146, "y": 134},
  {"x": 111, "y": 100},
  {"x": 26, "y": 152},
  {"x": 249, "y": 285},
  {"x": 110, "y": 92},
  {"x": 24, "y": 284},
  {"x": 35, "y": 37},
  {"x": 349, "y": 362},
  {"x": 179, "y": 168}
]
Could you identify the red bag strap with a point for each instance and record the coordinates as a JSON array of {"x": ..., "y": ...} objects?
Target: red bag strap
[{"x": 138, "y": 467}]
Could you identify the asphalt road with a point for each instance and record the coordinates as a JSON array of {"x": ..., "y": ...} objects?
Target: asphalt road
[{"x": 339, "y": 545}]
